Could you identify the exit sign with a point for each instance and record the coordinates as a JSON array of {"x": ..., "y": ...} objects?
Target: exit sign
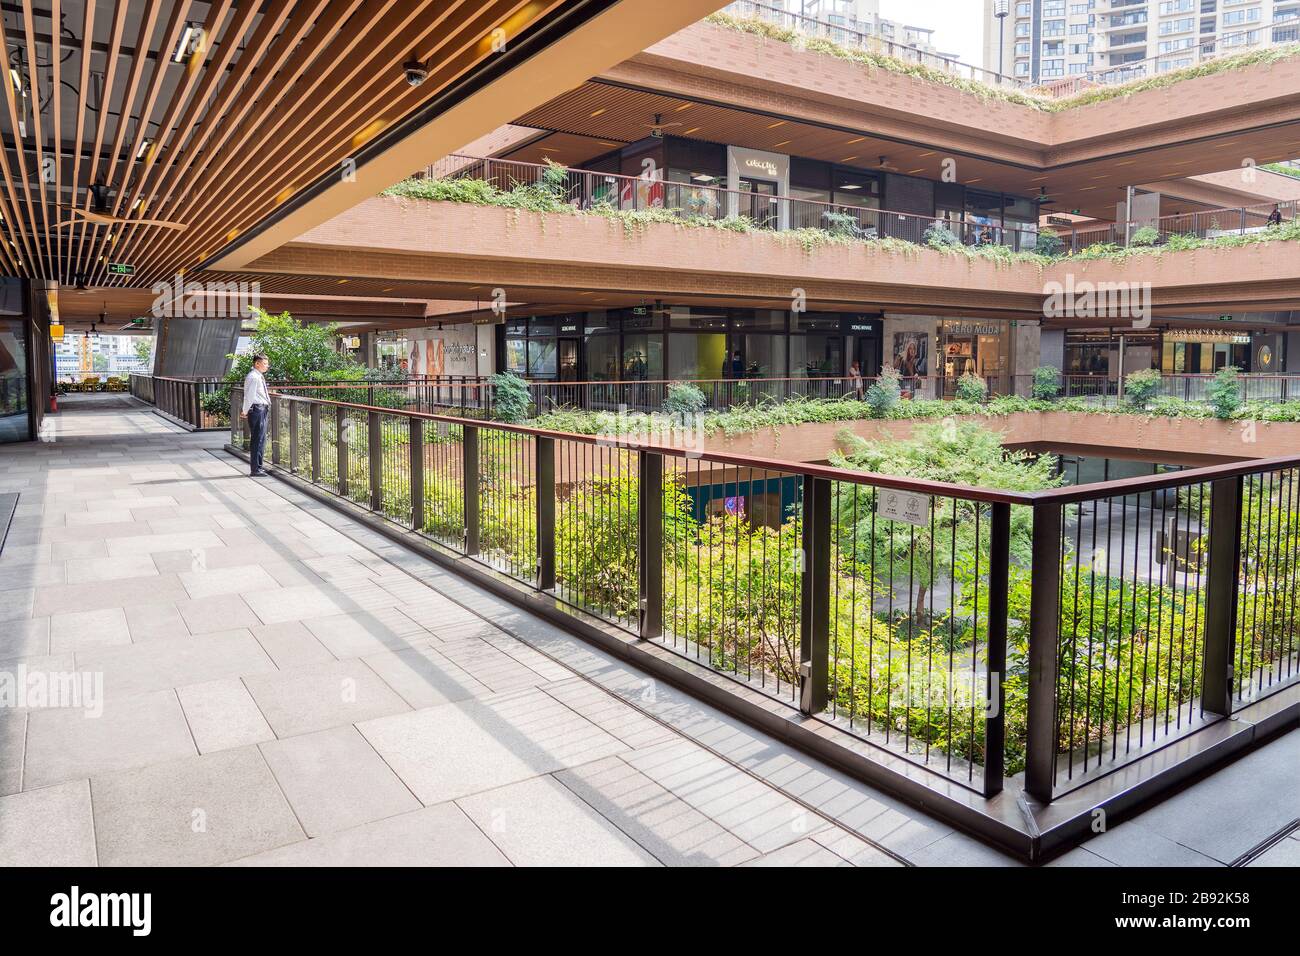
[{"x": 121, "y": 269}]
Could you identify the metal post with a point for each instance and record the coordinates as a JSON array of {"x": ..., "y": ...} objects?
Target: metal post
[
  {"x": 1044, "y": 632},
  {"x": 275, "y": 430},
  {"x": 995, "y": 679},
  {"x": 1222, "y": 574},
  {"x": 293, "y": 437},
  {"x": 815, "y": 584},
  {"x": 545, "y": 471},
  {"x": 375, "y": 458},
  {"x": 650, "y": 550},
  {"x": 469, "y": 469},
  {"x": 341, "y": 445},
  {"x": 315, "y": 443},
  {"x": 416, "y": 439}
]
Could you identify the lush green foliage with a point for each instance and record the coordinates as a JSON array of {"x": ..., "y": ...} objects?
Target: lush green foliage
[
  {"x": 1224, "y": 392},
  {"x": 684, "y": 399},
  {"x": 1145, "y": 236},
  {"x": 1046, "y": 104},
  {"x": 510, "y": 398},
  {"x": 298, "y": 351},
  {"x": 1047, "y": 383},
  {"x": 1141, "y": 386},
  {"x": 883, "y": 395},
  {"x": 972, "y": 388}
]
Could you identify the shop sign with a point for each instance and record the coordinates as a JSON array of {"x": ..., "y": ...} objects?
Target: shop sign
[
  {"x": 567, "y": 328},
  {"x": 909, "y": 507},
  {"x": 972, "y": 328},
  {"x": 763, "y": 166}
]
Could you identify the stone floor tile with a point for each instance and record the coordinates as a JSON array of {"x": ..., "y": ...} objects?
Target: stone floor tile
[
  {"x": 433, "y": 837},
  {"x": 539, "y": 822},
  {"x": 366, "y": 632},
  {"x": 26, "y": 638},
  {"x": 456, "y": 749},
  {"x": 195, "y": 811},
  {"x": 334, "y": 780},
  {"x": 220, "y": 612},
  {"x": 161, "y": 665},
  {"x": 151, "y": 622},
  {"x": 295, "y": 603},
  {"x": 222, "y": 715},
  {"x": 673, "y": 831},
  {"x": 86, "y": 570},
  {"x": 317, "y": 696},
  {"x": 51, "y": 826},
  {"x": 87, "y": 629},
  {"x": 65, "y": 744},
  {"x": 291, "y": 645},
  {"x": 424, "y": 678}
]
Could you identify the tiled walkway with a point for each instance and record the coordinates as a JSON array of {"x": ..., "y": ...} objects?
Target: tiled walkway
[{"x": 281, "y": 686}]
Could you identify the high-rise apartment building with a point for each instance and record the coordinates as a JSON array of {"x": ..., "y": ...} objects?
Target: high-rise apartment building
[
  {"x": 854, "y": 16},
  {"x": 1116, "y": 40}
]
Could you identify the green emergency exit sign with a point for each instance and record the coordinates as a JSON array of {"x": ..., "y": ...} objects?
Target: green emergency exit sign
[{"x": 121, "y": 269}]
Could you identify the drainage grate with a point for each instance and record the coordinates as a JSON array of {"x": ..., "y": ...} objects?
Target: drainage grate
[{"x": 1259, "y": 850}]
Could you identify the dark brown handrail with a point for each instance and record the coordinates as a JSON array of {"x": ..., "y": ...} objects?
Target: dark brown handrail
[{"x": 1070, "y": 495}]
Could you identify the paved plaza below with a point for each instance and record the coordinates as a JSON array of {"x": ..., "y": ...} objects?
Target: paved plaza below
[{"x": 280, "y": 685}]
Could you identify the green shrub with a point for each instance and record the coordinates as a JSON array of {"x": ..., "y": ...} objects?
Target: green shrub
[
  {"x": 217, "y": 404},
  {"x": 1047, "y": 383},
  {"x": 1146, "y": 236},
  {"x": 1224, "y": 392},
  {"x": 1049, "y": 244},
  {"x": 938, "y": 236},
  {"x": 972, "y": 388},
  {"x": 683, "y": 399},
  {"x": 510, "y": 398},
  {"x": 1142, "y": 386},
  {"x": 883, "y": 395}
]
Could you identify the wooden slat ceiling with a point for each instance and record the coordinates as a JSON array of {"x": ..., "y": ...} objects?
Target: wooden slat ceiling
[
  {"x": 269, "y": 98},
  {"x": 601, "y": 110}
]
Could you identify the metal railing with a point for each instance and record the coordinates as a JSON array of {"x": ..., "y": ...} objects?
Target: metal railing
[
  {"x": 180, "y": 398},
  {"x": 974, "y": 632},
  {"x": 590, "y": 190},
  {"x": 1188, "y": 386},
  {"x": 477, "y": 399}
]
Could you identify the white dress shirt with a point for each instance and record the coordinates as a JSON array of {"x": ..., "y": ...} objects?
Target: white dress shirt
[{"x": 255, "y": 392}]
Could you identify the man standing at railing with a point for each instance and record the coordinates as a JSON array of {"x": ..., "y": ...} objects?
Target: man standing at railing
[{"x": 257, "y": 406}]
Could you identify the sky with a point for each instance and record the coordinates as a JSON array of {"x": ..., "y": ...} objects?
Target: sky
[{"x": 958, "y": 24}]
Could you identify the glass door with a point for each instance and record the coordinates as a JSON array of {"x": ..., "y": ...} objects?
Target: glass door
[{"x": 758, "y": 202}]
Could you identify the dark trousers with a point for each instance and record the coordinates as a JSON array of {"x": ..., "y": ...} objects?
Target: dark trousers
[{"x": 256, "y": 436}]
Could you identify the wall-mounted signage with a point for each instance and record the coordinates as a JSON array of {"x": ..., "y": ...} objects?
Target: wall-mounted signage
[
  {"x": 764, "y": 166},
  {"x": 569, "y": 328},
  {"x": 972, "y": 328},
  {"x": 121, "y": 269}
]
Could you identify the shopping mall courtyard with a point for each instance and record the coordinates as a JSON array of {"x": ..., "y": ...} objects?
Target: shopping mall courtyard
[{"x": 266, "y": 681}]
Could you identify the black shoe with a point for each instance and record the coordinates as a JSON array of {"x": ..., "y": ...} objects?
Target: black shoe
[{"x": 258, "y": 474}]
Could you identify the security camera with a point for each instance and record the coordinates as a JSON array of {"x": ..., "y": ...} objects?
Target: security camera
[{"x": 416, "y": 72}]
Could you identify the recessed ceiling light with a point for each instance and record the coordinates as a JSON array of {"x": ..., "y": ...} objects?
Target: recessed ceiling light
[
  {"x": 974, "y": 180},
  {"x": 847, "y": 158},
  {"x": 776, "y": 124},
  {"x": 693, "y": 129},
  {"x": 785, "y": 142},
  {"x": 857, "y": 140},
  {"x": 684, "y": 106},
  {"x": 919, "y": 169}
]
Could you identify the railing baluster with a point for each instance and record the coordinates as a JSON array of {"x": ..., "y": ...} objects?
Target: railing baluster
[
  {"x": 544, "y": 449},
  {"x": 995, "y": 733},
  {"x": 650, "y": 543},
  {"x": 375, "y": 454},
  {"x": 315, "y": 444},
  {"x": 293, "y": 436},
  {"x": 815, "y": 584},
  {"x": 415, "y": 432},
  {"x": 1044, "y": 629},
  {"x": 469, "y": 471},
  {"x": 1222, "y": 576}
]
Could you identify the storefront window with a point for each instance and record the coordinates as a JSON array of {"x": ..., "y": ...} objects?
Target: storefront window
[
  {"x": 541, "y": 358},
  {"x": 602, "y": 358},
  {"x": 764, "y": 355},
  {"x": 517, "y": 356},
  {"x": 14, "y": 425},
  {"x": 643, "y": 357},
  {"x": 974, "y": 348},
  {"x": 816, "y": 356},
  {"x": 699, "y": 356}
]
